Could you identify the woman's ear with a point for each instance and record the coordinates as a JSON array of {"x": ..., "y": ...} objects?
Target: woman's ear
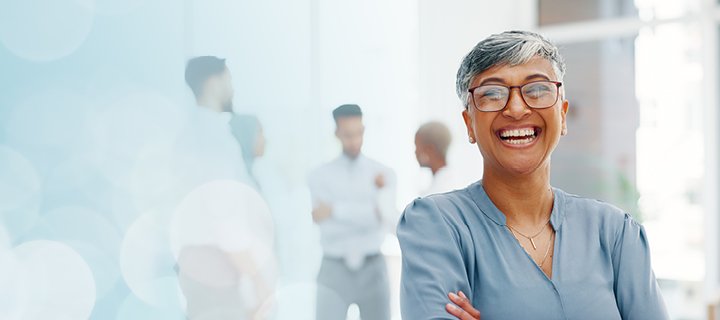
[
  {"x": 469, "y": 126},
  {"x": 564, "y": 111}
]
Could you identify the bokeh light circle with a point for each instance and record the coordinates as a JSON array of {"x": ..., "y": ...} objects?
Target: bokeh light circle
[
  {"x": 226, "y": 214},
  {"x": 14, "y": 292},
  {"x": 45, "y": 30},
  {"x": 91, "y": 235},
  {"x": 153, "y": 179},
  {"x": 60, "y": 282},
  {"x": 48, "y": 125},
  {"x": 127, "y": 126},
  {"x": 222, "y": 237},
  {"x": 76, "y": 180},
  {"x": 20, "y": 187},
  {"x": 5, "y": 243},
  {"x": 19, "y": 182},
  {"x": 133, "y": 308},
  {"x": 147, "y": 264}
]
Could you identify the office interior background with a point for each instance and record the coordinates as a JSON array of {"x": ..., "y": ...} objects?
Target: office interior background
[{"x": 90, "y": 92}]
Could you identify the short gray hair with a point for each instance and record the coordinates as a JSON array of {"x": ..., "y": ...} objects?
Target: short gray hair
[{"x": 507, "y": 48}]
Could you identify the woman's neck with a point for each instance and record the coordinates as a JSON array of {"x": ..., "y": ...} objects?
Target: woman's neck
[{"x": 526, "y": 200}]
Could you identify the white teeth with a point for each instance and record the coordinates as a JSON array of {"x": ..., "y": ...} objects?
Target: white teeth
[
  {"x": 518, "y": 133},
  {"x": 520, "y": 141}
]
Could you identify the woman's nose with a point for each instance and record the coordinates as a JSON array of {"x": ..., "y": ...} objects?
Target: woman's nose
[{"x": 516, "y": 107}]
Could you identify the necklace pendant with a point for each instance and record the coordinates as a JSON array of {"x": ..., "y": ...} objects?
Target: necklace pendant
[{"x": 533, "y": 243}]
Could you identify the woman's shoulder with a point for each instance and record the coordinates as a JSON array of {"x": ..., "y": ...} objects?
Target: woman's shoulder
[
  {"x": 437, "y": 217},
  {"x": 589, "y": 203},
  {"x": 594, "y": 211},
  {"x": 450, "y": 206},
  {"x": 453, "y": 197}
]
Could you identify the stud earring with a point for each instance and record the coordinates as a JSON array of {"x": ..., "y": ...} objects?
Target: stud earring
[
  {"x": 564, "y": 131},
  {"x": 471, "y": 140}
]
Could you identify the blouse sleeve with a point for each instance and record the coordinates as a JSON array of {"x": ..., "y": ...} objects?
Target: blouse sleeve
[
  {"x": 433, "y": 263},
  {"x": 636, "y": 289}
]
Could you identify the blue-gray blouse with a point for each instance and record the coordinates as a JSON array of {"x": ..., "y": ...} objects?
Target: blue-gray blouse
[{"x": 459, "y": 241}]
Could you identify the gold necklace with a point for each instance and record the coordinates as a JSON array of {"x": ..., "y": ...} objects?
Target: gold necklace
[
  {"x": 552, "y": 235},
  {"x": 547, "y": 249},
  {"x": 513, "y": 230}
]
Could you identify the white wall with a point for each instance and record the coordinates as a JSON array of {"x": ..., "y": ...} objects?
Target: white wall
[
  {"x": 294, "y": 61},
  {"x": 367, "y": 54}
]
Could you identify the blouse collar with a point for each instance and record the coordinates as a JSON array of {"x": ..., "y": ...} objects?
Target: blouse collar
[{"x": 488, "y": 208}]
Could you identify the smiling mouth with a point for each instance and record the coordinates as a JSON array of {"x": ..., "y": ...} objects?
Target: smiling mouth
[{"x": 519, "y": 136}]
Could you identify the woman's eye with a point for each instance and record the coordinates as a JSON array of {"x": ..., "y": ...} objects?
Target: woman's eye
[
  {"x": 537, "y": 91},
  {"x": 492, "y": 94}
]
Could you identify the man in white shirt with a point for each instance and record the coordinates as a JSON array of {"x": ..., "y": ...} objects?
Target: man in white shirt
[
  {"x": 432, "y": 141},
  {"x": 206, "y": 148},
  {"x": 353, "y": 204}
]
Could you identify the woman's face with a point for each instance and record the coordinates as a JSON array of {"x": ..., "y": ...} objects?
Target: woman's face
[{"x": 490, "y": 129}]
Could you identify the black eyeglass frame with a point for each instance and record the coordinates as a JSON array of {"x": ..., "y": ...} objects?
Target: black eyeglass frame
[{"x": 557, "y": 84}]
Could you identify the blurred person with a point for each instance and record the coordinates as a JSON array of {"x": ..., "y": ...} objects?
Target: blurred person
[
  {"x": 215, "y": 283},
  {"x": 211, "y": 83},
  {"x": 353, "y": 199},
  {"x": 510, "y": 246},
  {"x": 206, "y": 147},
  {"x": 229, "y": 272},
  {"x": 432, "y": 141},
  {"x": 296, "y": 247},
  {"x": 250, "y": 136}
]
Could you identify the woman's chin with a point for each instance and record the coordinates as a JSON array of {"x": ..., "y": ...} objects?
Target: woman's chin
[{"x": 519, "y": 167}]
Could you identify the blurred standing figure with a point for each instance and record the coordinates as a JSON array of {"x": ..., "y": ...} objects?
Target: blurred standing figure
[
  {"x": 223, "y": 228},
  {"x": 211, "y": 83},
  {"x": 208, "y": 150},
  {"x": 432, "y": 141},
  {"x": 250, "y": 135},
  {"x": 353, "y": 203}
]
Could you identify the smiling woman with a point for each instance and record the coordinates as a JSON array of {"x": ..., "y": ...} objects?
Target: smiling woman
[{"x": 511, "y": 246}]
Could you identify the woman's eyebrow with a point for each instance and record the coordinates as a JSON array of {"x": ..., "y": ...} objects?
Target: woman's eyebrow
[
  {"x": 537, "y": 75},
  {"x": 502, "y": 81},
  {"x": 492, "y": 79}
]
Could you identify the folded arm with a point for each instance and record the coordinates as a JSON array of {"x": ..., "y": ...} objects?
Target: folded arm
[{"x": 433, "y": 261}]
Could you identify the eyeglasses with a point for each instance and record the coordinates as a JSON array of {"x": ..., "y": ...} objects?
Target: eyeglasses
[{"x": 536, "y": 94}]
